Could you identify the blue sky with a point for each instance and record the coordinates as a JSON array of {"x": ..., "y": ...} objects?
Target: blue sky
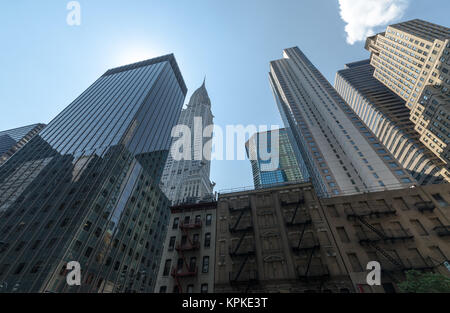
[{"x": 46, "y": 64}]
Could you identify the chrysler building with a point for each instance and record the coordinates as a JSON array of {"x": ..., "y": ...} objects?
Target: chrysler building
[{"x": 188, "y": 180}]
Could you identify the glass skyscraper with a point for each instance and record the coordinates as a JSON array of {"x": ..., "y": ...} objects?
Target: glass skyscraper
[
  {"x": 13, "y": 139},
  {"x": 287, "y": 170},
  {"x": 341, "y": 154},
  {"x": 86, "y": 188}
]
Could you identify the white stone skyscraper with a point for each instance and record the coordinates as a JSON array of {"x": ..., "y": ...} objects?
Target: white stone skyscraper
[{"x": 188, "y": 180}]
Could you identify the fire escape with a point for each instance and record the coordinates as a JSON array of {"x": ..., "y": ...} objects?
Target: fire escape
[
  {"x": 428, "y": 206},
  {"x": 307, "y": 243},
  {"x": 373, "y": 236},
  {"x": 187, "y": 270},
  {"x": 242, "y": 253}
]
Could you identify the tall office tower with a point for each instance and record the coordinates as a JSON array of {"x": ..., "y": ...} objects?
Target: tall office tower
[
  {"x": 85, "y": 189},
  {"x": 287, "y": 168},
  {"x": 187, "y": 180},
  {"x": 14, "y": 139},
  {"x": 188, "y": 260},
  {"x": 386, "y": 115},
  {"x": 342, "y": 155},
  {"x": 412, "y": 59}
]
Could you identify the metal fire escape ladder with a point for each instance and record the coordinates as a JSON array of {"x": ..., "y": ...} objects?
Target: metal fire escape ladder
[
  {"x": 379, "y": 249},
  {"x": 309, "y": 263},
  {"x": 301, "y": 236},
  {"x": 238, "y": 220},
  {"x": 242, "y": 267},
  {"x": 241, "y": 240},
  {"x": 300, "y": 201},
  {"x": 365, "y": 223},
  {"x": 186, "y": 233},
  {"x": 181, "y": 252},
  {"x": 180, "y": 287},
  {"x": 387, "y": 256}
]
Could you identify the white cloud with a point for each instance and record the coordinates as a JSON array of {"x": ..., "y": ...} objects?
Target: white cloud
[{"x": 364, "y": 16}]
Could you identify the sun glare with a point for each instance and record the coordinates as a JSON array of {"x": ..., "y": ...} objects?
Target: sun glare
[{"x": 135, "y": 54}]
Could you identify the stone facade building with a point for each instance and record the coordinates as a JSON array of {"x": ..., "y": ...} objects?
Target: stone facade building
[
  {"x": 187, "y": 263},
  {"x": 286, "y": 239}
]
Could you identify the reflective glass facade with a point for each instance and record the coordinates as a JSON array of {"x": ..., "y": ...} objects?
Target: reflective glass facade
[
  {"x": 14, "y": 139},
  {"x": 86, "y": 188},
  {"x": 287, "y": 170}
]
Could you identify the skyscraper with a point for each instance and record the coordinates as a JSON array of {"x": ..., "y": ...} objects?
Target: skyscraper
[
  {"x": 86, "y": 188},
  {"x": 287, "y": 167},
  {"x": 341, "y": 154},
  {"x": 413, "y": 60},
  {"x": 187, "y": 180},
  {"x": 14, "y": 139},
  {"x": 386, "y": 115}
]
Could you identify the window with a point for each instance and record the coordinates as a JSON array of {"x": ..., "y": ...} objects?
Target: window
[
  {"x": 205, "y": 267},
  {"x": 52, "y": 242},
  {"x": 198, "y": 219},
  {"x": 20, "y": 246},
  {"x": 35, "y": 244},
  {"x": 399, "y": 172},
  {"x": 180, "y": 263},
  {"x": 208, "y": 219},
  {"x": 87, "y": 226},
  {"x": 190, "y": 289},
  {"x": 419, "y": 227},
  {"x": 36, "y": 267},
  {"x": 195, "y": 239},
  {"x": 440, "y": 200},
  {"x": 167, "y": 267},
  {"x": 204, "y": 288},
  {"x": 19, "y": 268},
  {"x": 163, "y": 289},
  {"x": 354, "y": 261},
  {"x": 193, "y": 264},
  {"x": 176, "y": 220},
  {"x": 207, "y": 240},
  {"x": 88, "y": 252},
  {"x": 172, "y": 243},
  {"x": 342, "y": 234}
]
